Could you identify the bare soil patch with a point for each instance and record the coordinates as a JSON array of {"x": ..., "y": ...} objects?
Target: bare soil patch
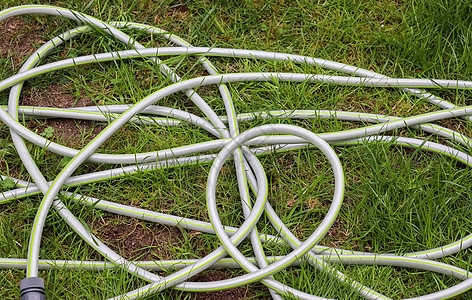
[
  {"x": 18, "y": 39},
  {"x": 54, "y": 96},
  {"x": 72, "y": 133},
  {"x": 136, "y": 240},
  {"x": 238, "y": 293}
]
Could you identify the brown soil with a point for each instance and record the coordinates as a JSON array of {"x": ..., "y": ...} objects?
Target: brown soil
[
  {"x": 229, "y": 294},
  {"x": 69, "y": 132},
  {"x": 338, "y": 234},
  {"x": 54, "y": 96},
  {"x": 136, "y": 240},
  {"x": 17, "y": 39}
]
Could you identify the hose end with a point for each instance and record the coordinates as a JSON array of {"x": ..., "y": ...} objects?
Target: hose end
[{"x": 32, "y": 288}]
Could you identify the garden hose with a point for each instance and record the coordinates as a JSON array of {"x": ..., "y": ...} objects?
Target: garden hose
[{"x": 243, "y": 147}]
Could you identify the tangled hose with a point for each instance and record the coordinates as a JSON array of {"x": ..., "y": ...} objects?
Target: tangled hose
[{"x": 242, "y": 147}]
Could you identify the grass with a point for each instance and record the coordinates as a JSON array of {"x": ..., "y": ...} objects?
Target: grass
[{"x": 397, "y": 200}]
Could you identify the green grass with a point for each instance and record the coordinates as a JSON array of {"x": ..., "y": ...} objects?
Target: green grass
[{"x": 397, "y": 200}]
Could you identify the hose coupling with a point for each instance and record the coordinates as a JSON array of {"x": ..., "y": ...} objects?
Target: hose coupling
[{"x": 32, "y": 288}]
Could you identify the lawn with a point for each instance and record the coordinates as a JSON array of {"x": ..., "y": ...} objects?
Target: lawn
[{"x": 396, "y": 199}]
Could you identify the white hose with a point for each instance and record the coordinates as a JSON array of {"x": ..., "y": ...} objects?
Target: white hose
[{"x": 243, "y": 147}]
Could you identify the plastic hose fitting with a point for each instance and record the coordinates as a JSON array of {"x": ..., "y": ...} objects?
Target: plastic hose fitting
[{"x": 32, "y": 288}]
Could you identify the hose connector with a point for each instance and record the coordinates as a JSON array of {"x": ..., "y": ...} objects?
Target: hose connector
[{"x": 32, "y": 288}]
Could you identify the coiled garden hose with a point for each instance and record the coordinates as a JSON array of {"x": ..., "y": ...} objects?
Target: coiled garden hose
[{"x": 243, "y": 147}]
